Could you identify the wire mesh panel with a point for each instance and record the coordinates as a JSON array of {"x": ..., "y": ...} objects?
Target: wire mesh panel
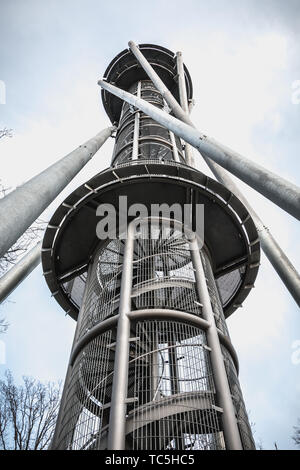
[
  {"x": 163, "y": 271},
  {"x": 103, "y": 287},
  {"x": 229, "y": 283},
  {"x": 153, "y": 141},
  {"x": 174, "y": 391},
  {"x": 75, "y": 289},
  {"x": 214, "y": 295},
  {"x": 242, "y": 416},
  {"x": 171, "y": 396},
  {"x": 88, "y": 391}
]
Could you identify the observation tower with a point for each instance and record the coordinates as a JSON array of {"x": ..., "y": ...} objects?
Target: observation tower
[{"x": 152, "y": 365}]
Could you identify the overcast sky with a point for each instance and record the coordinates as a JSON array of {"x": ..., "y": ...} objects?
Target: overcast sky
[{"x": 243, "y": 56}]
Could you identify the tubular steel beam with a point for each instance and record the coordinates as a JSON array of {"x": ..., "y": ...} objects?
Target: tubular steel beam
[
  {"x": 230, "y": 427},
  {"x": 282, "y": 265},
  {"x": 183, "y": 102},
  {"x": 276, "y": 256},
  {"x": 280, "y": 262},
  {"x": 20, "y": 208},
  {"x": 135, "y": 146},
  {"x": 174, "y": 147},
  {"x": 280, "y": 191},
  {"x": 12, "y": 278},
  {"x": 181, "y": 83},
  {"x": 117, "y": 418},
  {"x": 166, "y": 94}
]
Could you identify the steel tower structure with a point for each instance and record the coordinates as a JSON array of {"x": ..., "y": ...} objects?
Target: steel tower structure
[{"x": 152, "y": 365}]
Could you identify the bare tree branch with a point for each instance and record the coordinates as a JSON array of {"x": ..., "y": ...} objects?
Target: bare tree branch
[
  {"x": 28, "y": 413},
  {"x": 25, "y": 242},
  {"x": 296, "y": 435},
  {"x": 5, "y": 132}
]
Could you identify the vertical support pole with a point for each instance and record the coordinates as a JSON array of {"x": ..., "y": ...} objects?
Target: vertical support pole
[
  {"x": 155, "y": 368},
  {"x": 184, "y": 103},
  {"x": 135, "y": 146},
  {"x": 154, "y": 358},
  {"x": 230, "y": 427},
  {"x": 174, "y": 147},
  {"x": 117, "y": 418},
  {"x": 181, "y": 83},
  {"x": 280, "y": 262}
]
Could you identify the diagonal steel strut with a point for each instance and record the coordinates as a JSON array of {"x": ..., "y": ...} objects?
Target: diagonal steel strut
[{"x": 275, "y": 254}]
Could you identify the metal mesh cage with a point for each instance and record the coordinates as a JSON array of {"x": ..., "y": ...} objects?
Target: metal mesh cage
[
  {"x": 75, "y": 289},
  {"x": 164, "y": 276},
  {"x": 174, "y": 392},
  {"x": 103, "y": 289},
  {"x": 171, "y": 396},
  {"x": 87, "y": 392},
  {"x": 229, "y": 283},
  {"x": 151, "y": 140},
  {"x": 214, "y": 295},
  {"x": 221, "y": 289},
  {"x": 242, "y": 416}
]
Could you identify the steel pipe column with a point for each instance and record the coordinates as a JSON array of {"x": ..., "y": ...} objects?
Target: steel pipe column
[
  {"x": 20, "y": 208},
  {"x": 280, "y": 262},
  {"x": 231, "y": 431},
  {"x": 135, "y": 146},
  {"x": 117, "y": 417},
  {"x": 12, "y": 278},
  {"x": 275, "y": 254},
  {"x": 280, "y": 191},
  {"x": 184, "y": 103}
]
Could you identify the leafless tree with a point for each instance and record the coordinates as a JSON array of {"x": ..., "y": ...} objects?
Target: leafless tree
[
  {"x": 296, "y": 435},
  {"x": 259, "y": 444},
  {"x": 28, "y": 413},
  {"x": 5, "y": 132},
  {"x": 3, "y": 325}
]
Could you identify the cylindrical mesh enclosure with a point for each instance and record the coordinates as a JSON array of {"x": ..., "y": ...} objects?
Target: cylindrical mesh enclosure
[
  {"x": 174, "y": 389},
  {"x": 136, "y": 130},
  {"x": 172, "y": 401}
]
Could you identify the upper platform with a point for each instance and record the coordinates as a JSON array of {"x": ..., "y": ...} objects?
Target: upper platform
[
  {"x": 124, "y": 71},
  {"x": 230, "y": 236}
]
